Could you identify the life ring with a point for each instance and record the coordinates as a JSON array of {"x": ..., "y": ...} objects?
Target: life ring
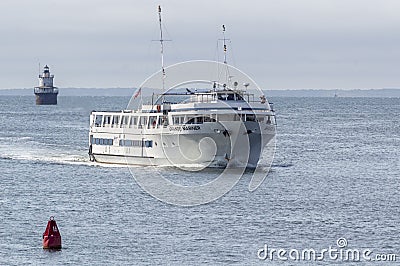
[{"x": 158, "y": 108}]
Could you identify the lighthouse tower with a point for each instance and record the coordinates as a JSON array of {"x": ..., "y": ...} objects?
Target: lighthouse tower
[{"x": 46, "y": 93}]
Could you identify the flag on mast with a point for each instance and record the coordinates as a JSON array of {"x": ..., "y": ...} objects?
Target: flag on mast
[{"x": 137, "y": 93}]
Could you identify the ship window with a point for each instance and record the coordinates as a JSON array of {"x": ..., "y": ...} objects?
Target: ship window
[
  {"x": 178, "y": 120},
  {"x": 197, "y": 120},
  {"x": 126, "y": 142},
  {"x": 152, "y": 121},
  {"x": 143, "y": 121},
  {"x": 148, "y": 143},
  {"x": 239, "y": 97},
  {"x": 229, "y": 97},
  {"x": 124, "y": 121},
  {"x": 222, "y": 97},
  {"x": 250, "y": 117},
  {"x": 115, "y": 120},
  {"x": 107, "y": 120},
  {"x": 133, "y": 121},
  {"x": 209, "y": 119},
  {"x": 100, "y": 141},
  {"x": 97, "y": 120},
  {"x": 130, "y": 143},
  {"x": 191, "y": 120}
]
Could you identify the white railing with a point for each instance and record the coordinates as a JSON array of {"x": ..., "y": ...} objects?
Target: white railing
[{"x": 45, "y": 90}]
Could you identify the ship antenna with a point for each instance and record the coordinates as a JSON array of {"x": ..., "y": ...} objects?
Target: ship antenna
[
  {"x": 224, "y": 40},
  {"x": 162, "y": 50}
]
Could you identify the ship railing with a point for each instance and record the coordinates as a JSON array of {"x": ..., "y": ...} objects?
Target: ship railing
[
  {"x": 207, "y": 97},
  {"x": 45, "y": 90}
]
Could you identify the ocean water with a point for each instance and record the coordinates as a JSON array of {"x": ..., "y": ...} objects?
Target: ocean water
[{"x": 335, "y": 176}]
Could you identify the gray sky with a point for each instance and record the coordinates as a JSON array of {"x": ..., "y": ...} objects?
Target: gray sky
[{"x": 280, "y": 44}]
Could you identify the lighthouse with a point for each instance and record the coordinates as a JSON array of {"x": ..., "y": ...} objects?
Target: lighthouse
[{"x": 46, "y": 93}]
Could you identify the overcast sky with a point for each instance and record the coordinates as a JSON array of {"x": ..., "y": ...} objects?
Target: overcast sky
[{"x": 280, "y": 44}]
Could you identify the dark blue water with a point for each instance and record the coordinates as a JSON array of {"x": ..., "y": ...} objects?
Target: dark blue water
[{"x": 336, "y": 174}]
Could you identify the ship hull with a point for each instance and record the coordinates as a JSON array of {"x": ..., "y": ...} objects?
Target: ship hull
[{"x": 214, "y": 145}]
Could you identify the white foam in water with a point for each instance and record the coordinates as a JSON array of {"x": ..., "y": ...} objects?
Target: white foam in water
[
  {"x": 49, "y": 156},
  {"x": 34, "y": 153}
]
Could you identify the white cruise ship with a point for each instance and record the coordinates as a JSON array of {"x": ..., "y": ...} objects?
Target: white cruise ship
[{"x": 207, "y": 114}]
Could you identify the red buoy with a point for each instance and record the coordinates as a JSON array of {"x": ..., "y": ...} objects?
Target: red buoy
[{"x": 51, "y": 236}]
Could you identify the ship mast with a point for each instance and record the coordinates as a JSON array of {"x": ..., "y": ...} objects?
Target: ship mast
[
  {"x": 224, "y": 39},
  {"x": 162, "y": 50}
]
